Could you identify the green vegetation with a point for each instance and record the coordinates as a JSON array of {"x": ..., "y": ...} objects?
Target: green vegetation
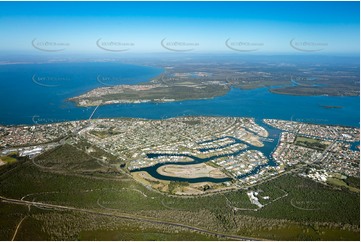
[
  {"x": 96, "y": 152},
  {"x": 61, "y": 179},
  {"x": 311, "y": 143},
  {"x": 338, "y": 175},
  {"x": 181, "y": 82},
  {"x": 136, "y": 234},
  {"x": 8, "y": 159},
  {"x": 71, "y": 159},
  {"x": 337, "y": 182},
  {"x": 175, "y": 185},
  {"x": 333, "y": 205},
  {"x": 212, "y": 164},
  {"x": 341, "y": 183},
  {"x": 67, "y": 158},
  {"x": 353, "y": 181},
  {"x": 104, "y": 133},
  {"x": 334, "y": 90},
  {"x": 192, "y": 122},
  {"x": 171, "y": 92}
]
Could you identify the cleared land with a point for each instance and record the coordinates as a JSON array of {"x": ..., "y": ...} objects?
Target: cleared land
[
  {"x": 311, "y": 143},
  {"x": 191, "y": 171},
  {"x": 7, "y": 159},
  {"x": 178, "y": 188}
]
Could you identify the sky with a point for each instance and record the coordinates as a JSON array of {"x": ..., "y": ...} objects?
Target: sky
[{"x": 137, "y": 27}]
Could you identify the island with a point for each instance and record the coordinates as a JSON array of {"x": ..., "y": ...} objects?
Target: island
[{"x": 190, "y": 80}]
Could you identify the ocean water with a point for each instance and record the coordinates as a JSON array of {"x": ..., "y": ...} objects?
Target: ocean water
[
  {"x": 37, "y": 93},
  {"x": 257, "y": 103}
]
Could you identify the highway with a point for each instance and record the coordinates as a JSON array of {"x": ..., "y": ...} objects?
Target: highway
[{"x": 124, "y": 216}]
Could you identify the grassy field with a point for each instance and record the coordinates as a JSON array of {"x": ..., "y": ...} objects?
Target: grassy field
[
  {"x": 341, "y": 183},
  {"x": 311, "y": 143},
  {"x": 8, "y": 159},
  {"x": 320, "y": 212}
]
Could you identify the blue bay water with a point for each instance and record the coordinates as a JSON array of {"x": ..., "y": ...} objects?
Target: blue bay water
[
  {"x": 37, "y": 93},
  {"x": 257, "y": 103}
]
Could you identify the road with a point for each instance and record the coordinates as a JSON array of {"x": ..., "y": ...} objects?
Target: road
[
  {"x": 94, "y": 111},
  {"x": 123, "y": 216},
  {"x": 17, "y": 228}
]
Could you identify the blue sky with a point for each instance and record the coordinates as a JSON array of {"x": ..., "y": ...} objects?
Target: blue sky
[{"x": 269, "y": 27}]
